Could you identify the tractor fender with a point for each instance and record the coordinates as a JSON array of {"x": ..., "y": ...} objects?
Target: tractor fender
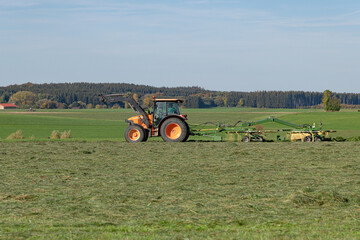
[
  {"x": 173, "y": 116},
  {"x": 129, "y": 122}
]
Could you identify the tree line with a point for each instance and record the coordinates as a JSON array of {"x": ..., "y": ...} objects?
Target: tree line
[{"x": 70, "y": 95}]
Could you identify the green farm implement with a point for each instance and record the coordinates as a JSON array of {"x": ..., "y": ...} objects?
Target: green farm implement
[
  {"x": 166, "y": 121},
  {"x": 253, "y": 131}
]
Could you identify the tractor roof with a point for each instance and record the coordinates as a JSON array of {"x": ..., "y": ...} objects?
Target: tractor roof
[{"x": 168, "y": 100}]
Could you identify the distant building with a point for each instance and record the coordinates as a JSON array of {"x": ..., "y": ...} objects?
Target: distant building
[{"x": 7, "y": 106}]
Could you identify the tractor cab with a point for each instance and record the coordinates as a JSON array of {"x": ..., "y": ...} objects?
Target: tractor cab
[{"x": 164, "y": 108}]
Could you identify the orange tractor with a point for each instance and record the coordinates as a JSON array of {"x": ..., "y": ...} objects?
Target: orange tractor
[{"x": 165, "y": 120}]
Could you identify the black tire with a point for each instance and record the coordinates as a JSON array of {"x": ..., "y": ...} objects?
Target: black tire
[
  {"x": 307, "y": 139},
  {"x": 174, "y": 130},
  {"x": 188, "y": 132},
  {"x": 134, "y": 133},
  {"x": 146, "y": 136},
  {"x": 246, "y": 139},
  {"x": 317, "y": 139},
  {"x": 260, "y": 139}
]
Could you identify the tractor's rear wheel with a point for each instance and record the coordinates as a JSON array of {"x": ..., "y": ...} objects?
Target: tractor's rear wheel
[
  {"x": 135, "y": 133},
  {"x": 146, "y": 136},
  {"x": 174, "y": 130},
  {"x": 188, "y": 132}
]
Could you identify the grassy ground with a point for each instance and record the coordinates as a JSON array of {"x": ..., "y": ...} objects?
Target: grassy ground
[
  {"x": 194, "y": 190},
  {"x": 109, "y": 124},
  {"x": 97, "y": 124},
  {"x": 98, "y": 188}
]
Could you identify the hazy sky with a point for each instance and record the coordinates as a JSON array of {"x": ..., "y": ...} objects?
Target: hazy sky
[{"x": 243, "y": 45}]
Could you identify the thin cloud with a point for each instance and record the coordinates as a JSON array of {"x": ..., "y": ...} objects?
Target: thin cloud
[
  {"x": 346, "y": 20},
  {"x": 184, "y": 12},
  {"x": 352, "y": 13},
  {"x": 18, "y": 3}
]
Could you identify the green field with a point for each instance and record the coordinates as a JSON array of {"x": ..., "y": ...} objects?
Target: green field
[
  {"x": 109, "y": 124},
  {"x": 96, "y": 186},
  {"x": 192, "y": 190}
]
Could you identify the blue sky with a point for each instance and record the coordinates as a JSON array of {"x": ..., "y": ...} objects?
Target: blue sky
[{"x": 219, "y": 45}]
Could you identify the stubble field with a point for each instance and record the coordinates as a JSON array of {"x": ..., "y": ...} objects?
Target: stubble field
[{"x": 96, "y": 186}]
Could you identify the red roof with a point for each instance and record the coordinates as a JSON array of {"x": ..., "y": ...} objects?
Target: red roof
[{"x": 7, "y": 104}]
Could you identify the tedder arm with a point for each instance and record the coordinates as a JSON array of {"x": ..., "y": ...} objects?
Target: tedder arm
[
  {"x": 302, "y": 132},
  {"x": 115, "y": 98},
  {"x": 276, "y": 120}
]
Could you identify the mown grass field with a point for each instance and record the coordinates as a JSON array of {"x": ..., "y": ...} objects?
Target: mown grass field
[
  {"x": 192, "y": 190},
  {"x": 96, "y": 186}
]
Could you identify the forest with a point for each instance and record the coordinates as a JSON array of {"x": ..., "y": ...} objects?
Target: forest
[{"x": 81, "y": 95}]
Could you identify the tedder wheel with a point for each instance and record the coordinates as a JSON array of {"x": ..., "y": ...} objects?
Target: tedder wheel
[
  {"x": 246, "y": 139},
  {"x": 307, "y": 139},
  {"x": 174, "y": 130},
  {"x": 317, "y": 139},
  {"x": 135, "y": 133},
  {"x": 260, "y": 139}
]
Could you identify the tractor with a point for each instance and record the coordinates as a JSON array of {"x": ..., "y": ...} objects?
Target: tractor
[{"x": 165, "y": 120}]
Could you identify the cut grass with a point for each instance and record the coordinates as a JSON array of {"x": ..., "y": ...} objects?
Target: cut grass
[
  {"x": 107, "y": 190},
  {"x": 16, "y": 135},
  {"x": 55, "y": 134}
]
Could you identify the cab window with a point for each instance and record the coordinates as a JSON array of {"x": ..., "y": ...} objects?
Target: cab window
[
  {"x": 159, "y": 112},
  {"x": 173, "y": 108}
]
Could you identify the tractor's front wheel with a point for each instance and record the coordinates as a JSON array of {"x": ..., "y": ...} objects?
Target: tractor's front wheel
[
  {"x": 135, "y": 133},
  {"x": 174, "y": 130}
]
